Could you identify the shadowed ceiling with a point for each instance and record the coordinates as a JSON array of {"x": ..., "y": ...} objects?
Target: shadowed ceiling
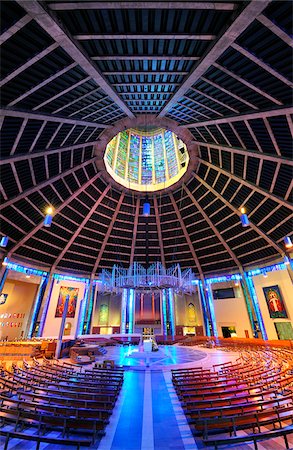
[{"x": 71, "y": 70}]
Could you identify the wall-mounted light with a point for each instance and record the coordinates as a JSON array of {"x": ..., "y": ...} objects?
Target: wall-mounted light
[
  {"x": 265, "y": 275},
  {"x": 5, "y": 261},
  {"x": 288, "y": 243},
  {"x": 4, "y": 241},
  {"x": 244, "y": 218},
  {"x": 49, "y": 217}
]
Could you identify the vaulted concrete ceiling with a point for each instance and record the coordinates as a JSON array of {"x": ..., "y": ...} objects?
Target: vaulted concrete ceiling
[{"x": 71, "y": 70}]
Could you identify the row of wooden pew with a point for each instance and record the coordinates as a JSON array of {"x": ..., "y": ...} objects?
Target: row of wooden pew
[
  {"x": 42, "y": 397},
  {"x": 254, "y": 392}
]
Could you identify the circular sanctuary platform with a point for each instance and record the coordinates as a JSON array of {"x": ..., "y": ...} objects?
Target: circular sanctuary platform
[{"x": 168, "y": 355}]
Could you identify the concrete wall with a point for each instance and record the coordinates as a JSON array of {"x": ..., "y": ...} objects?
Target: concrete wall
[
  {"x": 17, "y": 308},
  {"x": 283, "y": 280},
  {"x": 232, "y": 312}
]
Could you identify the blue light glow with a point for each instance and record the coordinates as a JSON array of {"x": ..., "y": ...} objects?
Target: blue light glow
[
  {"x": 48, "y": 220},
  {"x": 146, "y": 209},
  {"x": 37, "y": 305},
  {"x": 60, "y": 277},
  {"x": 24, "y": 269},
  {"x": 212, "y": 310},
  {"x": 90, "y": 310},
  {"x": 4, "y": 241},
  {"x": 164, "y": 311},
  {"x": 130, "y": 310},
  {"x": 205, "y": 310},
  {"x": 244, "y": 220},
  {"x": 83, "y": 305},
  {"x": 224, "y": 278},
  {"x": 46, "y": 307},
  {"x": 123, "y": 311},
  {"x": 253, "y": 273},
  {"x": 171, "y": 311},
  {"x": 254, "y": 298}
]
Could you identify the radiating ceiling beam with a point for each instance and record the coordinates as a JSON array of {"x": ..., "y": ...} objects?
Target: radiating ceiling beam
[
  {"x": 49, "y": 118},
  {"x": 130, "y": 57},
  {"x": 62, "y": 37},
  {"x": 170, "y": 4},
  {"x": 159, "y": 230},
  {"x": 261, "y": 64},
  {"x": 201, "y": 105},
  {"x": 150, "y": 36},
  {"x": 42, "y": 84},
  {"x": 29, "y": 63},
  {"x": 252, "y": 186},
  {"x": 231, "y": 94},
  {"x": 107, "y": 235},
  {"x": 236, "y": 211},
  {"x": 275, "y": 29},
  {"x": 155, "y": 83},
  {"x": 133, "y": 242},
  {"x": 248, "y": 116},
  {"x": 245, "y": 18},
  {"x": 60, "y": 94},
  {"x": 57, "y": 210},
  {"x": 45, "y": 183},
  {"x": 80, "y": 227},
  {"x": 145, "y": 72},
  {"x": 247, "y": 83},
  {"x": 252, "y": 153},
  {"x": 87, "y": 94},
  {"x": 203, "y": 94},
  {"x": 186, "y": 234},
  {"x": 15, "y": 28},
  {"x": 215, "y": 230},
  {"x": 18, "y": 136}
]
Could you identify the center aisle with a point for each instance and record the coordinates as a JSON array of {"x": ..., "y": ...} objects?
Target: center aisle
[{"x": 145, "y": 418}]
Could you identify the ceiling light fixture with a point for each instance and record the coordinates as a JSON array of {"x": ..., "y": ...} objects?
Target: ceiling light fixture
[
  {"x": 244, "y": 218},
  {"x": 288, "y": 242},
  {"x": 4, "y": 241}
]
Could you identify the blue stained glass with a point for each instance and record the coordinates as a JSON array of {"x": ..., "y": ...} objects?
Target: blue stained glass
[
  {"x": 159, "y": 159},
  {"x": 171, "y": 154},
  {"x": 146, "y": 160},
  {"x": 133, "y": 163}
]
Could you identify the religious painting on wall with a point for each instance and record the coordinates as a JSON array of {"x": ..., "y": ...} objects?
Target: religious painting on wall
[
  {"x": 73, "y": 295},
  {"x": 275, "y": 302}
]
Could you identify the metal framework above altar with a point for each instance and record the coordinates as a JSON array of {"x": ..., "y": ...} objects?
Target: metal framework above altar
[{"x": 154, "y": 277}]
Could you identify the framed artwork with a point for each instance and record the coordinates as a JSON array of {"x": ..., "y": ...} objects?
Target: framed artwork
[
  {"x": 275, "y": 302},
  {"x": 3, "y": 298},
  {"x": 73, "y": 295}
]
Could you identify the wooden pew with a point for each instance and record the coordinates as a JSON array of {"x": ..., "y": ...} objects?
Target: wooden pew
[
  {"x": 255, "y": 438},
  {"x": 78, "y": 442}
]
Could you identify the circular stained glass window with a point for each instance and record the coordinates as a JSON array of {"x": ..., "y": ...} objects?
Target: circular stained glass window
[{"x": 146, "y": 160}]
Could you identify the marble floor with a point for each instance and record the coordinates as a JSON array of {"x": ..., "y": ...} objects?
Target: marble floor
[{"x": 148, "y": 414}]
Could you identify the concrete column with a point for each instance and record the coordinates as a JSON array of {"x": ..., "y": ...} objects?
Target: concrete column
[{"x": 62, "y": 326}]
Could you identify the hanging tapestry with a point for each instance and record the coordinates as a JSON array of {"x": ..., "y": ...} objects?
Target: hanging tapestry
[{"x": 73, "y": 294}]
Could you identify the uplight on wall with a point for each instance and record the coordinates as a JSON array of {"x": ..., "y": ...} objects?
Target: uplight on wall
[
  {"x": 244, "y": 218},
  {"x": 4, "y": 241},
  {"x": 288, "y": 242},
  {"x": 286, "y": 260},
  {"x": 5, "y": 261},
  {"x": 49, "y": 217}
]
